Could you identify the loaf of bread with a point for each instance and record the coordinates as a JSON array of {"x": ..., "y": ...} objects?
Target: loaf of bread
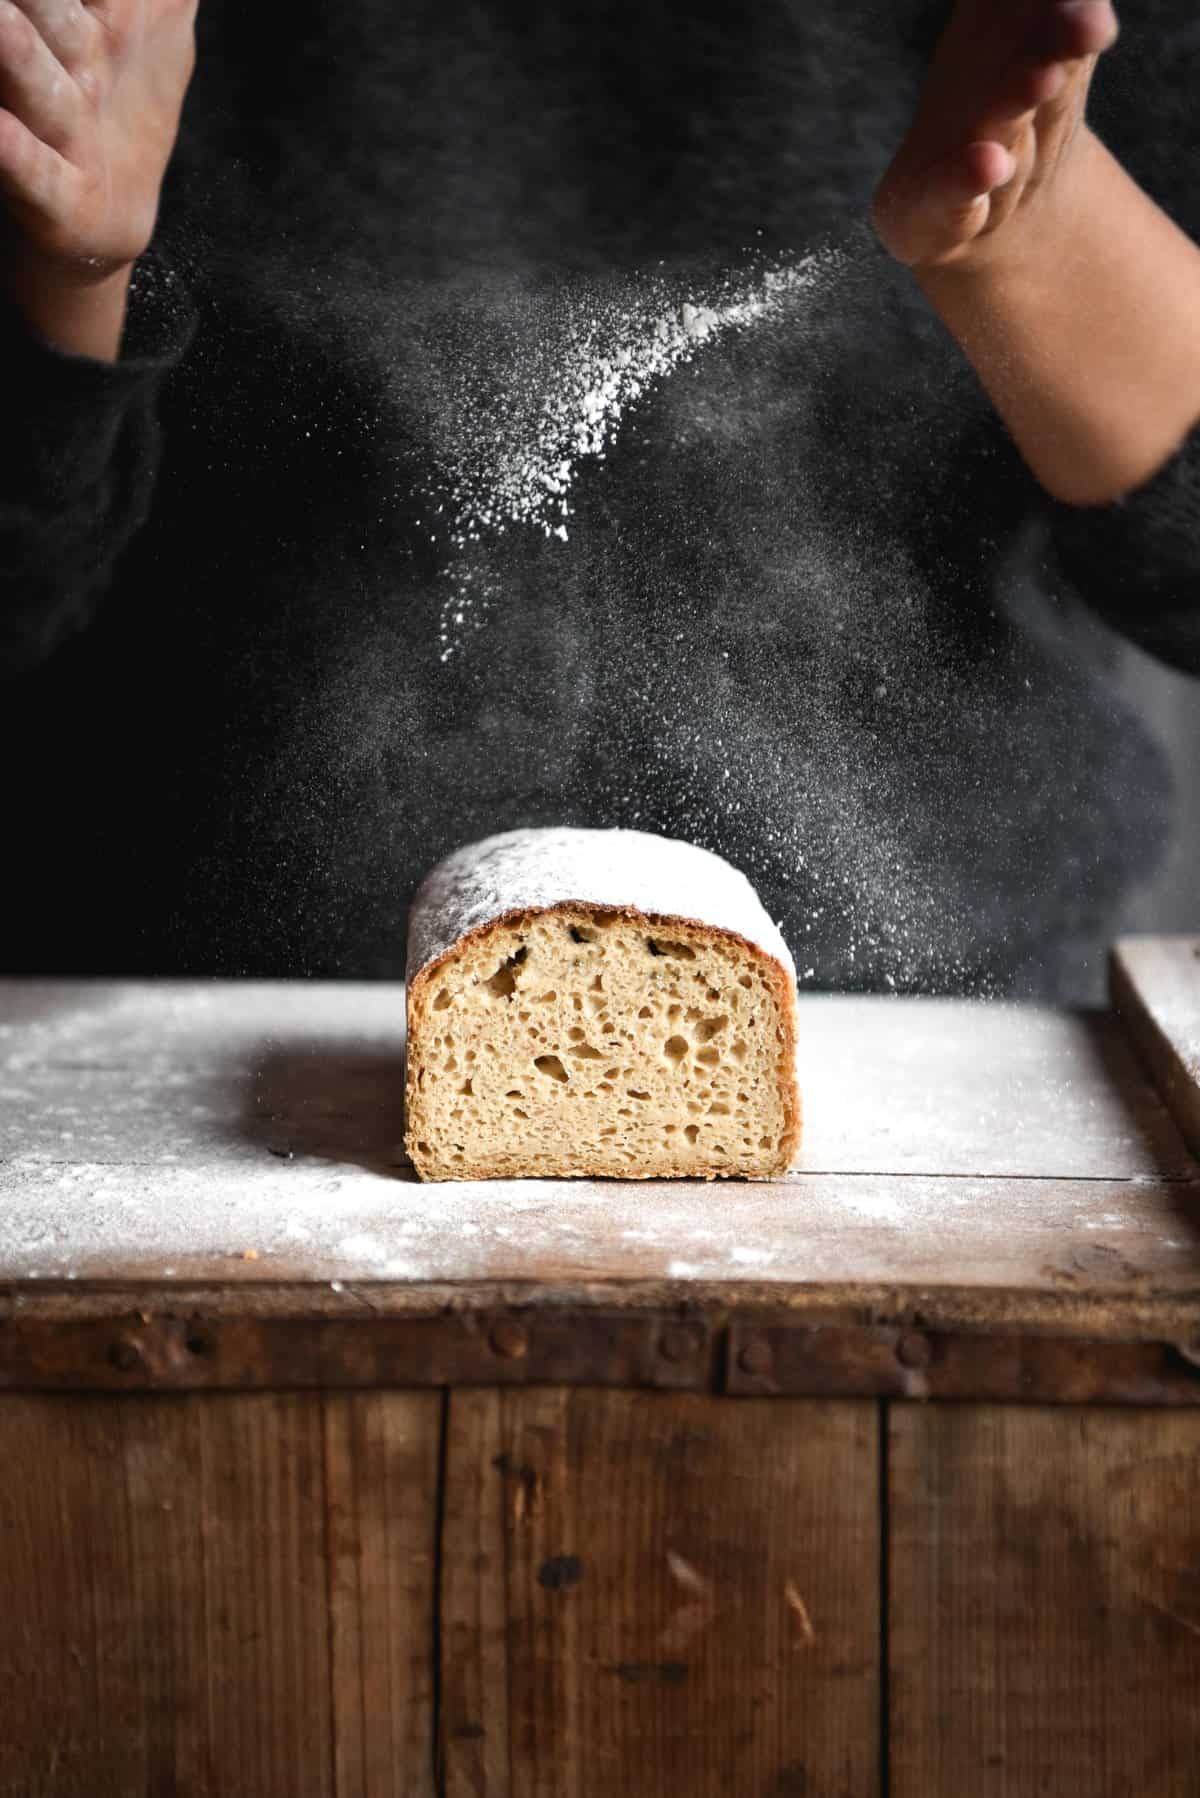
[{"x": 602, "y": 1002}]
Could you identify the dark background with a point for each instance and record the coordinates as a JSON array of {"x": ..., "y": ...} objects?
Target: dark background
[{"x": 810, "y": 613}]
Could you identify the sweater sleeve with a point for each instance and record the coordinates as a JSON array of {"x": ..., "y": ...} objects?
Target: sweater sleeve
[
  {"x": 79, "y": 453},
  {"x": 1136, "y": 562}
]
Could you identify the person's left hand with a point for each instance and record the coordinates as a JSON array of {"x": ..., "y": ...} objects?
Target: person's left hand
[{"x": 998, "y": 127}]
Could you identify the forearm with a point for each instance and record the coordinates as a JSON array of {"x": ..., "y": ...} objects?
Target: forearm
[{"x": 1084, "y": 327}]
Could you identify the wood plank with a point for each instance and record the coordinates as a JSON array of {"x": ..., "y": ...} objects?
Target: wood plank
[
  {"x": 382, "y": 1454},
  {"x": 1155, "y": 985},
  {"x": 176, "y": 1618},
  {"x": 691, "y": 1595},
  {"x": 959, "y": 1148},
  {"x": 104, "y": 1612},
  {"x": 1044, "y": 1614}
]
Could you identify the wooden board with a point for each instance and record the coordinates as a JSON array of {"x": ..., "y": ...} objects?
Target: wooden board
[
  {"x": 1155, "y": 985},
  {"x": 1044, "y": 1614},
  {"x": 659, "y": 1594},
  {"x": 248, "y": 1137},
  {"x": 217, "y": 1595}
]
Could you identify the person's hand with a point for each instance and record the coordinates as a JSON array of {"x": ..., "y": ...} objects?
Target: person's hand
[
  {"x": 90, "y": 98},
  {"x": 998, "y": 127}
]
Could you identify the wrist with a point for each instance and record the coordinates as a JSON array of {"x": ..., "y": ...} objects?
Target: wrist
[{"x": 76, "y": 307}]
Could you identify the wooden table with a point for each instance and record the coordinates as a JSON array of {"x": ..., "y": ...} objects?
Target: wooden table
[{"x": 316, "y": 1480}]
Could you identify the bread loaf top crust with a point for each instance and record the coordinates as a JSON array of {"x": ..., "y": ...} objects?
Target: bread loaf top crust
[{"x": 626, "y": 870}]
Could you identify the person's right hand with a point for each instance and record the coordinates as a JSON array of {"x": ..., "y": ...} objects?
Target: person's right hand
[{"x": 90, "y": 97}]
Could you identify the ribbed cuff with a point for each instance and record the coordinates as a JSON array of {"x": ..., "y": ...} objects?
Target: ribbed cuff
[{"x": 62, "y": 412}]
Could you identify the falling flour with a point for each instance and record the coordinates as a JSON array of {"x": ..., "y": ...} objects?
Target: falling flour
[{"x": 515, "y": 456}]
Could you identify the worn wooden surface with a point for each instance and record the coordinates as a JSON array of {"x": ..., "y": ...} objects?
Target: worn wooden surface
[
  {"x": 653, "y": 1594},
  {"x": 217, "y": 1596},
  {"x": 1155, "y": 986},
  {"x": 1044, "y": 1605},
  {"x": 245, "y": 1139}
]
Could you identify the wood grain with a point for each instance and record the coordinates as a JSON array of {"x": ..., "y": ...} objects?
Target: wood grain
[
  {"x": 179, "y": 1133},
  {"x": 382, "y": 1454},
  {"x": 1155, "y": 985},
  {"x": 1044, "y": 1614},
  {"x": 177, "y": 1579},
  {"x": 659, "y": 1593}
]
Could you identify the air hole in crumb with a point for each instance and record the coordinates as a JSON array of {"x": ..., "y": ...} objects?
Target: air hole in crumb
[
  {"x": 611, "y": 1073},
  {"x": 597, "y": 985},
  {"x": 710, "y": 1057},
  {"x": 518, "y": 1113},
  {"x": 424, "y": 1148},
  {"x": 551, "y": 1066},
  {"x": 691, "y": 1131},
  {"x": 739, "y": 1050},
  {"x": 717, "y": 1110},
  {"x": 547, "y": 998},
  {"x": 670, "y": 1129},
  {"x": 645, "y": 1011},
  {"x": 466, "y": 1087},
  {"x": 514, "y": 1092},
  {"x": 712, "y": 995},
  {"x": 745, "y": 980},
  {"x": 764, "y": 1142},
  {"x": 673, "y": 1011},
  {"x": 675, "y": 1048},
  {"x": 707, "y": 1028},
  {"x": 631, "y": 1092},
  {"x": 585, "y": 1052},
  {"x": 442, "y": 1000},
  {"x": 575, "y": 1034},
  {"x": 674, "y": 951},
  {"x": 579, "y": 933},
  {"x": 503, "y": 982}
]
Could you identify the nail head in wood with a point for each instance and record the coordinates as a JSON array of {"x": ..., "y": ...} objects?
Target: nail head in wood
[
  {"x": 913, "y": 1349},
  {"x": 756, "y": 1356},
  {"x": 678, "y": 1343},
  {"x": 125, "y": 1354},
  {"x": 510, "y": 1340}
]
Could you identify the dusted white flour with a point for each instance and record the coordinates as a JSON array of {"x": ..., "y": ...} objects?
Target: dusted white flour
[{"x": 514, "y": 455}]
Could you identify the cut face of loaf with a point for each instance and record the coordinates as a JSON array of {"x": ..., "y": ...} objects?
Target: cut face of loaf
[{"x": 576, "y": 1040}]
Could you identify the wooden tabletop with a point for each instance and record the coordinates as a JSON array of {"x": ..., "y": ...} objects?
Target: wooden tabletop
[{"x": 246, "y": 1139}]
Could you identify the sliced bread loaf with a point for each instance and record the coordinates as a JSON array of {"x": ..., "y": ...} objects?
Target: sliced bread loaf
[{"x": 602, "y": 1002}]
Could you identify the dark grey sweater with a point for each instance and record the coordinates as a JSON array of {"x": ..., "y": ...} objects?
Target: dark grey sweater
[{"x": 813, "y": 610}]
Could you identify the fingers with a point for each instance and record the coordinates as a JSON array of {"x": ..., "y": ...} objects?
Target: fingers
[
  {"x": 62, "y": 25},
  {"x": 1070, "y": 33},
  {"x": 33, "y": 83},
  {"x": 31, "y": 173},
  {"x": 932, "y": 209},
  {"x": 1073, "y": 29}
]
